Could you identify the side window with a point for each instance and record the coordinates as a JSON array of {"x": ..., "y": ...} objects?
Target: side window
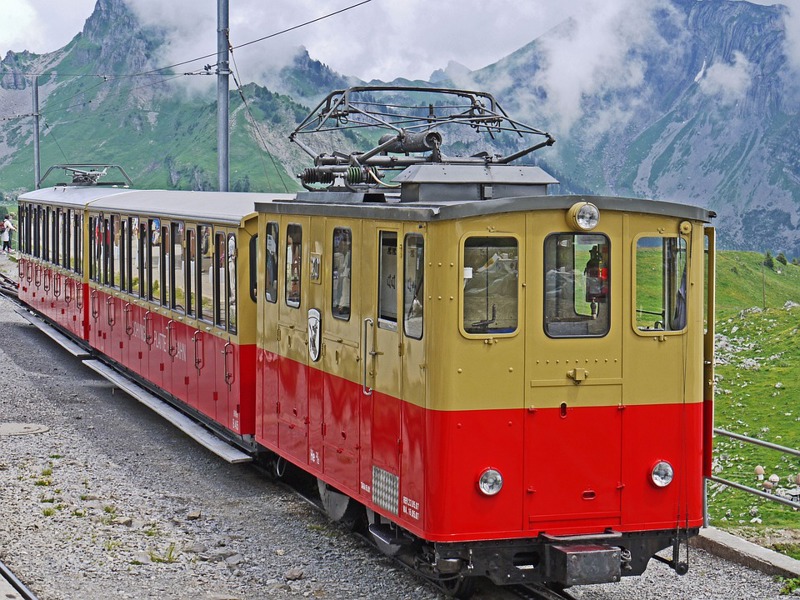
[
  {"x": 132, "y": 249},
  {"x": 577, "y": 285},
  {"x": 271, "y": 266},
  {"x": 178, "y": 268},
  {"x": 190, "y": 267},
  {"x": 660, "y": 284},
  {"x": 340, "y": 273},
  {"x": 78, "y": 241},
  {"x": 413, "y": 285},
  {"x": 154, "y": 260},
  {"x": 41, "y": 230},
  {"x": 219, "y": 280},
  {"x": 67, "y": 229},
  {"x": 231, "y": 283},
  {"x": 205, "y": 287},
  {"x": 46, "y": 235},
  {"x": 116, "y": 254},
  {"x": 253, "y": 268},
  {"x": 122, "y": 247},
  {"x": 143, "y": 248},
  {"x": 490, "y": 298},
  {"x": 61, "y": 235},
  {"x": 94, "y": 248},
  {"x": 166, "y": 270},
  {"x": 387, "y": 282},
  {"x": 294, "y": 258}
]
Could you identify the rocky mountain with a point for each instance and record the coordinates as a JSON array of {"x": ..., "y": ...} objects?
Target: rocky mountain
[
  {"x": 704, "y": 108},
  {"x": 686, "y": 100}
]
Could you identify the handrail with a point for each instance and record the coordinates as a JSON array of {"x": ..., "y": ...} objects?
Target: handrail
[
  {"x": 744, "y": 488},
  {"x": 758, "y": 442}
]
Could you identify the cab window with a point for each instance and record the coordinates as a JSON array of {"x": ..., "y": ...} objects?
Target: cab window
[
  {"x": 660, "y": 284},
  {"x": 413, "y": 285},
  {"x": 271, "y": 291},
  {"x": 340, "y": 274},
  {"x": 577, "y": 285},
  {"x": 294, "y": 252},
  {"x": 387, "y": 277},
  {"x": 490, "y": 292}
]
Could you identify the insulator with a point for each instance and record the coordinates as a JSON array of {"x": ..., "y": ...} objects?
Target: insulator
[
  {"x": 361, "y": 174},
  {"x": 312, "y": 175}
]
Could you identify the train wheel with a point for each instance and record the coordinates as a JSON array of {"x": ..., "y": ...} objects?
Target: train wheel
[
  {"x": 458, "y": 587},
  {"x": 339, "y": 507},
  {"x": 385, "y": 547}
]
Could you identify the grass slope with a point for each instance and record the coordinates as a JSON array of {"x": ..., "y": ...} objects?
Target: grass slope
[{"x": 758, "y": 395}]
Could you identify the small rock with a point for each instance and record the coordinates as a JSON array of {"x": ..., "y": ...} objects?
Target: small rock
[
  {"x": 234, "y": 560},
  {"x": 294, "y": 574},
  {"x": 195, "y": 548},
  {"x": 194, "y": 515},
  {"x": 127, "y": 521}
]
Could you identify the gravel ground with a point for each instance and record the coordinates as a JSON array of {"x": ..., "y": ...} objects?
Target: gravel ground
[{"x": 112, "y": 502}]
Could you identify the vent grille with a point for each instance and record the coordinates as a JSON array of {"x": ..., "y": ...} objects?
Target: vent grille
[{"x": 385, "y": 490}]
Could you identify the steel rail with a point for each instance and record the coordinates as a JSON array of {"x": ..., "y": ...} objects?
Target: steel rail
[{"x": 15, "y": 583}]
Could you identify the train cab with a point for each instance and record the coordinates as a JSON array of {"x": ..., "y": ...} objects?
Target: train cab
[{"x": 514, "y": 384}]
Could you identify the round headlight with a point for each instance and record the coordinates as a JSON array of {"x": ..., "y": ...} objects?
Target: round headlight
[
  {"x": 662, "y": 474},
  {"x": 490, "y": 482},
  {"x": 584, "y": 216}
]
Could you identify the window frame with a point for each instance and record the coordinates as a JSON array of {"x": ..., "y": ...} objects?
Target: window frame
[
  {"x": 337, "y": 277},
  {"x": 579, "y": 317},
  {"x": 635, "y": 283},
  {"x": 418, "y": 289},
  {"x": 462, "y": 265}
]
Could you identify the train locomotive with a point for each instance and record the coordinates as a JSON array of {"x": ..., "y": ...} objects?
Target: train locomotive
[{"x": 503, "y": 382}]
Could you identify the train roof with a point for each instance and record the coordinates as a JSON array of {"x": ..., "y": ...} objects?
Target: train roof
[
  {"x": 219, "y": 207},
  {"x": 232, "y": 208},
  {"x": 338, "y": 205}
]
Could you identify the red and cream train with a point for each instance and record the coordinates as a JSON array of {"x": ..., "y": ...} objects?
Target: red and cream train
[{"x": 511, "y": 384}]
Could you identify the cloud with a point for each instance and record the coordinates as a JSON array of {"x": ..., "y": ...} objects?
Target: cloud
[
  {"x": 601, "y": 55},
  {"x": 382, "y": 39},
  {"x": 17, "y": 26},
  {"x": 792, "y": 28},
  {"x": 728, "y": 82}
]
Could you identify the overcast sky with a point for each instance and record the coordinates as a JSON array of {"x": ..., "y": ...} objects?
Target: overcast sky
[{"x": 382, "y": 39}]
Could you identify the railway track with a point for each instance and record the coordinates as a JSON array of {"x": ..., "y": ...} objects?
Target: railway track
[
  {"x": 12, "y": 588},
  {"x": 8, "y": 286}
]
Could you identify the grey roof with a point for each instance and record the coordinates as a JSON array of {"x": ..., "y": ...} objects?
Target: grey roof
[
  {"x": 233, "y": 207},
  {"x": 218, "y": 207}
]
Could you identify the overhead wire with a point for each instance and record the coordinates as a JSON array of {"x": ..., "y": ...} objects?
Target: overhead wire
[
  {"x": 107, "y": 78},
  {"x": 55, "y": 139},
  {"x": 236, "y": 78},
  {"x": 261, "y": 39}
]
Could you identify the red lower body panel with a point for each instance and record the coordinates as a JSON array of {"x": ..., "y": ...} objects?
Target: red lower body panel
[{"x": 582, "y": 472}]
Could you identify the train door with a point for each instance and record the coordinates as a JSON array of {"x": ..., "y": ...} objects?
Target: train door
[
  {"x": 381, "y": 360},
  {"x": 663, "y": 381},
  {"x": 414, "y": 369},
  {"x": 341, "y": 359},
  {"x": 203, "y": 346},
  {"x": 293, "y": 339},
  {"x": 573, "y": 421},
  {"x": 267, "y": 400}
]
